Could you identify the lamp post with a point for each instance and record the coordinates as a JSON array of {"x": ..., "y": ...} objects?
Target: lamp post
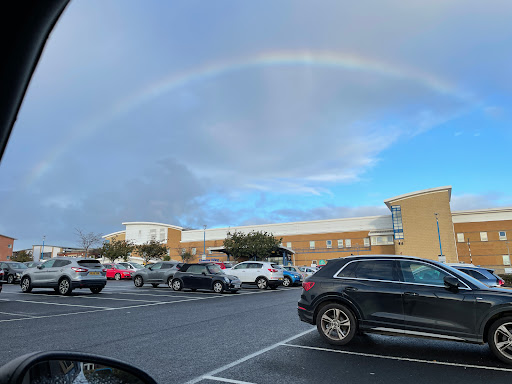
[
  {"x": 204, "y": 241},
  {"x": 42, "y": 249},
  {"x": 439, "y": 237}
]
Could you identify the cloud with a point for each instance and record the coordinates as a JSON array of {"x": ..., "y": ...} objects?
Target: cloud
[{"x": 469, "y": 201}]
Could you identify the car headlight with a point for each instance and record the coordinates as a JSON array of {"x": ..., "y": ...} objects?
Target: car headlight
[{"x": 18, "y": 274}]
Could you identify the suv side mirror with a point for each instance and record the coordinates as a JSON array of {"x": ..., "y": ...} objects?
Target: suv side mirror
[
  {"x": 40, "y": 266},
  {"x": 451, "y": 283}
]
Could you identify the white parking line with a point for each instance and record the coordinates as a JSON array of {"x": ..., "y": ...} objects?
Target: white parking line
[
  {"x": 400, "y": 358},
  {"x": 81, "y": 297},
  {"x": 16, "y": 314},
  {"x": 248, "y": 357},
  {"x": 226, "y": 380},
  {"x": 43, "y": 302}
]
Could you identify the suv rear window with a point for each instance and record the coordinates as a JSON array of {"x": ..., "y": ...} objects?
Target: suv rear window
[{"x": 89, "y": 263}]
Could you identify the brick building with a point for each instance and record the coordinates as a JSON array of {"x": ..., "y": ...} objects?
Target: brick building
[
  {"x": 419, "y": 224},
  {"x": 6, "y": 247}
]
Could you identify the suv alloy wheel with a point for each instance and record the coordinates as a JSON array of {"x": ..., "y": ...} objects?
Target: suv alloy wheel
[
  {"x": 500, "y": 339},
  {"x": 336, "y": 324}
]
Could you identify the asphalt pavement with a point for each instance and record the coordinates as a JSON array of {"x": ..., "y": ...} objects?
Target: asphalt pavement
[{"x": 201, "y": 337}]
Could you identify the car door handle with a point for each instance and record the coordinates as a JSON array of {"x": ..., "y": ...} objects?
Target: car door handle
[
  {"x": 350, "y": 289},
  {"x": 410, "y": 294}
]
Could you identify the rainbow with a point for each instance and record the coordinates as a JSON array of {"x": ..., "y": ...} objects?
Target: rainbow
[{"x": 173, "y": 81}]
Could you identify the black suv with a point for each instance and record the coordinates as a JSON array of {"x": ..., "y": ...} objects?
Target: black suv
[{"x": 400, "y": 295}]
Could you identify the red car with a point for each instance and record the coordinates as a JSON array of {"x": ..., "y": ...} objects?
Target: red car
[{"x": 117, "y": 271}]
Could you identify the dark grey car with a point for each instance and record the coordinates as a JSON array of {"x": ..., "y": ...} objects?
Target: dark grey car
[
  {"x": 158, "y": 273},
  {"x": 485, "y": 275},
  {"x": 399, "y": 295},
  {"x": 12, "y": 271}
]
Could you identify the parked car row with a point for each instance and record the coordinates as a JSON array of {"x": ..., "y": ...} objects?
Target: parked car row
[{"x": 64, "y": 274}]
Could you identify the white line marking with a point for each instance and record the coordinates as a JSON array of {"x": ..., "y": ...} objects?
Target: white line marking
[
  {"x": 226, "y": 380},
  {"x": 16, "y": 314},
  {"x": 248, "y": 357},
  {"x": 401, "y": 358},
  {"x": 43, "y": 302},
  {"x": 121, "y": 308},
  {"x": 82, "y": 297}
]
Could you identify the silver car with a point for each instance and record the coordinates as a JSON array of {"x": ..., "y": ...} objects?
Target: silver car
[
  {"x": 64, "y": 274},
  {"x": 157, "y": 273}
]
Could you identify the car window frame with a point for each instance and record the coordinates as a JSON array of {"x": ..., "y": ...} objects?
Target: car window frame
[{"x": 399, "y": 272}]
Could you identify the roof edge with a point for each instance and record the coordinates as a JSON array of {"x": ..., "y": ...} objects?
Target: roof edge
[{"x": 419, "y": 193}]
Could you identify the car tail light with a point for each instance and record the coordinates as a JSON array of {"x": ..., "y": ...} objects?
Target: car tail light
[
  {"x": 272, "y": 270},
  {"x": 76, "y": 269},
  {"x": 501, "y": 282},
  {"x": 307, "y": 285}
]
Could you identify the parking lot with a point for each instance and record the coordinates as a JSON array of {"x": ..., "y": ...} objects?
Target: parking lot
[{"x": 201, "y": 337}]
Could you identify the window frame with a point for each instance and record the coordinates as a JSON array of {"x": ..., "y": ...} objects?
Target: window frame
[
  {"x": 328, "y": 244},
  {"x": 458, "y": 237},
  {"x": 398, "y": 271},
  {"x": 482, "y": 236},
  {"x": 312, "y": 244},
  {"x": 504, "y": 237}
]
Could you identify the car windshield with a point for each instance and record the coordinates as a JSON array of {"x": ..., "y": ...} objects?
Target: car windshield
[
  {"x": 215, "y": 269},
  {"x": 268, "y": 132}
]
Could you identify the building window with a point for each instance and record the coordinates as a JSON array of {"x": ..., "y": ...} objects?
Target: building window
[
  {"x": 382, "y": 240},
  {"x": 460, "y": 237},
  {"x": 328, "y": 243},
  {"x": 398, "y": 228},
  {"x": 348, "y": 243},
  {"x": 340, "y": 243},
  {"x": 152, "y": 234},
  {"x": 8, "y": 257},
  {"x": 503, "y": 235},
  {"x": 194, "y": 251},
  {"x": 483, "y": 236},
  {"x": 506, "y": 259},
  {"x": 210, "y": 251},
  {"x": 162, "y": 234},
  {"x": 366, "y": 241},
  {"x": 289, "y": 244},
  {"x": 9, "y": 245},
  {"x": 183, "y": 250},
  {"x": 311, "y": 245}
]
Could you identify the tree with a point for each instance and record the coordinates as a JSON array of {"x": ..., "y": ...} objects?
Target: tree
[
  {"x": 87, "y": 240},
  {"x": 116, "y": 249},
  {"x": 151, "y": 250},
  {"x": 22, "y": 256},
  {"x": 186, "y": 256},
  {"x": 254, "y": 245}
]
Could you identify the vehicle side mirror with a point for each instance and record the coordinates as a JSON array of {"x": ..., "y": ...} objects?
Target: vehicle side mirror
[
  {"x": 150, "y": 268},
  {"x": 204, "y": 273},
  {"x": 70, "y": 367},
  {"x": 40, "y": 266},
  {"x": 451, "y": 283}
]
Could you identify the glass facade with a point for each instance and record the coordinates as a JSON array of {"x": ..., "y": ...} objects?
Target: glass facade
[{"x": 396, "y": 214}]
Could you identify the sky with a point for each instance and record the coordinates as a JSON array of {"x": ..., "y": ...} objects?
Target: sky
[{"x": 226, "y": 113}]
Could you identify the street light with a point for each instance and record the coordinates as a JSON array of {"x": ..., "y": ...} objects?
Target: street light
[
  {"x": 204, "y": 241},
  {"x": 439, "y": 237},
  {"x": 42, "y": 249}
]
